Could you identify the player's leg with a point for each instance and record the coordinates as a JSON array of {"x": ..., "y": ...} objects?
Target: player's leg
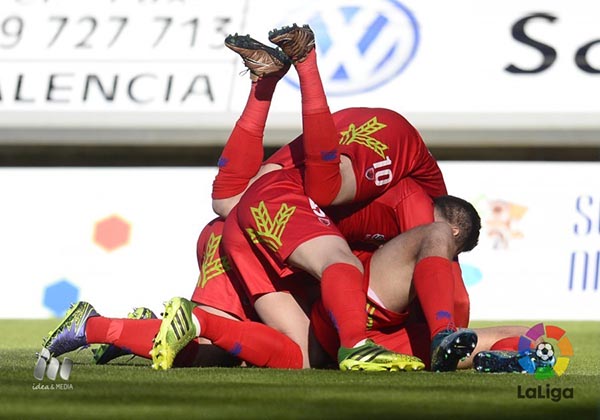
[
  {"x": 137, "y": 336},
  {"x": 490, "y": 338},
  {"x": 107, "y": 352},
  {"x": 506, "y": 354},
  {"x": 329, "y": 259},
  {"x": 462, "y": 303},
  {"x": 280, "y": 311},
  {"x": 242, "y": 155},
  {"x": 502, "y": 352},
  {"x": 422, "y": 268},
  {"x": 202, "y": 352},
  {"x": 299, "y": 235},
  {"x": 82, "y": 326},
  {"x": 253, "y": 342},
  {"x": 344, "y": 300},
  {"x": 370, "y": 356},
  {"x": 323, "y": 179}
]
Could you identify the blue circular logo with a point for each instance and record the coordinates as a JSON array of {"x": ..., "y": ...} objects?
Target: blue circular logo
[{"x": 360, "y": 45}]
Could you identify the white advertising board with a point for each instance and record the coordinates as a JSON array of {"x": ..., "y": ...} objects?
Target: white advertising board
[
  {"x": 539, "y": 250},
  {"x": 126, "y": 237},
  {"x": 466, "y": 64}
]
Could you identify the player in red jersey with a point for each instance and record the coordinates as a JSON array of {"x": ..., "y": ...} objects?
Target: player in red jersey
[
  {"x": 393, "y": 319},
  {"x": 321, "y": 250},
  {"x": 352, "y": 155},
  {"x": 228, "y": 319},
  {"x": 258, "y": 96},
  {"x": 230, "y": 331}
]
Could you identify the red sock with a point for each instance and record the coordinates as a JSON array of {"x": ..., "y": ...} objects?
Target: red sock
[
  {"x": 462, "y": 303},
  {"x": 434, "y": 284},
  {"x": 253, "y": 342},
  {"x": 507, "y": 344},
  {"x": 344, "y": 299},
  {"x": 314, "y": 99},
  {"x": 322, "y": 178},
  {"x": 243, "y": 153},
  {"x": 134, "y": 335},
  {"x": 254, "y": 115}
]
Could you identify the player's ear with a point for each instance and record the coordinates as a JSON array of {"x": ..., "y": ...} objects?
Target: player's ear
[{"x": 455, "y": 231}]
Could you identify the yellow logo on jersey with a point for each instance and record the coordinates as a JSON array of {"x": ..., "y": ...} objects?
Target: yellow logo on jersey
[
  {"x": 269, "y": 230},
  {"x": 362, "y": 135},
  {"x": 211, "y": 266}
]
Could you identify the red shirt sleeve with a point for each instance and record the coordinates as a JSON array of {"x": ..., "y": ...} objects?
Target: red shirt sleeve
[{"x": 414, "y": 206}]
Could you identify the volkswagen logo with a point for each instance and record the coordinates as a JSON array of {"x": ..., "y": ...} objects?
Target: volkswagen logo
[{"x": 360, "y": 45}]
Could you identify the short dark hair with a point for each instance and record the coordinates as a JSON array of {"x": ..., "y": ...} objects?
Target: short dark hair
[{"x": 462, "y": 214}]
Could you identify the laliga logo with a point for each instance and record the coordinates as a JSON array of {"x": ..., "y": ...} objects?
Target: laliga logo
[
  {"x": 545, "y": 362},
  {"x": 360, "y": 45}
]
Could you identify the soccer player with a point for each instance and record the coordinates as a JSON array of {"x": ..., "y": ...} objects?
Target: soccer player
[
  {"x": 334, "y": 167},
  {"x": 263, "y": 95},
  {"x": 223, "y": 314},
  {"x": 377, "y": 144},
  {"x": 393, "y": 271},
  {"x": 392, "y": 320},
  {"x": 229, "y": 333}
]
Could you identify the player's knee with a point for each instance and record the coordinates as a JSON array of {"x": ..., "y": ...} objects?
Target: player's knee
[{"x": 340, "y": 256}]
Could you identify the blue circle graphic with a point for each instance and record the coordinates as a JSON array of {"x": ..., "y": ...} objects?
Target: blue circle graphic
[{"x": 361, "y": 46}]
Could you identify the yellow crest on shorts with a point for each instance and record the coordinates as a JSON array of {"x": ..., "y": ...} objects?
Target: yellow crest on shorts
[
  {"x": 362, "y": 135},
  {"x": 269, "y": 230},
  {"x": 212, "y": 266}
]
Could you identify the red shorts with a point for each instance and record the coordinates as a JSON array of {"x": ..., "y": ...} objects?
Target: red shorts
[
  {"x": 261, "y": 274},
  {"x": 272, "y": 219},
  {"x": 222, "y": 294},
  {"x": 217, "y": 285}
]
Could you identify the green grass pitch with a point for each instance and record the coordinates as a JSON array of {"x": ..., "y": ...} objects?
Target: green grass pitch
[{"x": 131, "y": 390}]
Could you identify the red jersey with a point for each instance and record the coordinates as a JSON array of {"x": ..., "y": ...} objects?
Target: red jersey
[
  {"x": 383, "y": 148},
  {"x": 367, "y": 226}
]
